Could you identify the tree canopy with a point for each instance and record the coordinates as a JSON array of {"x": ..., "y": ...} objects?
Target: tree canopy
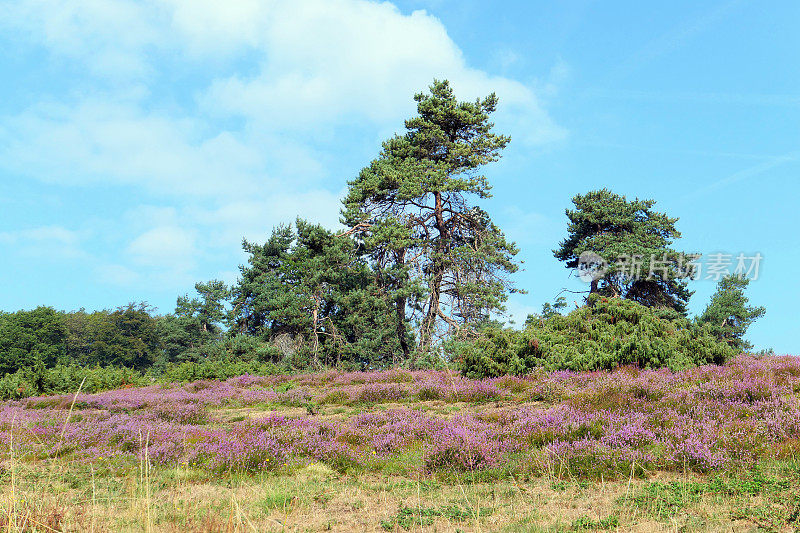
[
  {"x": 420, "y": 269},
  {"x": 439, "y": 255},
  {"x": 209, "y": 309},
  {"x": 728, "y": 314},
  {"x": 635, "y": 243},
  {"x": 605, "y": 334},
  {"x": 310, "y": 286}
]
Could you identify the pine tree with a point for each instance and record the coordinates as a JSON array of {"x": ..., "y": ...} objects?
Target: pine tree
[
  {"x": 209, "y": 309},
  {"x": 728, "y": 314},
  {"x": 311, "y": 284},
  {"x": 623, "y": 232},
  {"x": 412, "y": 209}
]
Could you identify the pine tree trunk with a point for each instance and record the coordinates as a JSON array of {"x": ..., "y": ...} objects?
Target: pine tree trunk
[
  {"x": 400, "y": 310},
  {"x": 315, "y": 316},
  {"x": 429, "y": 322},
  {"x": 400, "y": 307}
]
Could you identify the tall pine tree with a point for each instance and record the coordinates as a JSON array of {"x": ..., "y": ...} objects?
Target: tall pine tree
[{"x": 439, "y": 255}]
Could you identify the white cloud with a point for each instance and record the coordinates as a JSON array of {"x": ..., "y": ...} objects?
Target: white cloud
[
  {"x": 318, "y": 61},
  {"x": 53, "y": 242},
  {"x": 232, "y": 112},
  {"x": 329, "y": 61},
  {"x": 100, "y": 142},
  {"x": 108, "y": 37},
  {"x": 254, "y": 219},
  {"x": 169, "y": 247},
  {"x": 52, "y": 234},
  {"x": 117, "y": 275},
  {"x": 209, "y": 27},
  {"x": 506, "y": 58}
]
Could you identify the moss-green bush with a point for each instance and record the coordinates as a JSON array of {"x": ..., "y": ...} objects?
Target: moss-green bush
[
  {"x": 218, "y": 369},
  {"x": 604, "y": 334},
  {"x": 39, "y": 381}
]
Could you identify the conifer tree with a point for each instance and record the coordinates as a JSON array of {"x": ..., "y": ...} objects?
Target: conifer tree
[
  {"x": 728, "y": 314},
  {"x": 634, "y": 242},
  {"x": 413, "y": 210},
  {"x": 309, "y": 283},
  {"x": 209, "y": 309}
]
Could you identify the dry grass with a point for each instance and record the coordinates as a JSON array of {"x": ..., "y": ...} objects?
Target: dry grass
[{"x": 113, "y": 495}]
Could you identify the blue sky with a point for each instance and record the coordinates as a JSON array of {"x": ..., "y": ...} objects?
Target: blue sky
[{"x": 140, "y": 141}]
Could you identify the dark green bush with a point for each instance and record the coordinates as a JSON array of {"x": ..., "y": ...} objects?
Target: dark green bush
[
  {"x": 41, "y": 381},
  {"x": 606, "y": 333},
  {"x": 61, "y": 379},
  {"x": 219, "y": 369}
]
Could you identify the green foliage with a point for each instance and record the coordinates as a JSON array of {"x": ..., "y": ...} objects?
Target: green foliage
[
  {"x": 128, "y": 336},
  {"x": 408, "y": 517},
  {"x": 31, "y": 337},
  {"x": 61, "y": 379},
  {"x": 437, "y": 254},
  {"x": 607, "y": 333},
  {"x": 310, "y": 286},
  {"x": 728, "y": 314},
  {"x": 46, "y": 351},
  {"x": 182, "y": 339},
  {"x": 244, "y": 348},
  {"x": 494, "y": 352},
  {"x": 586, "y": 523},
  {"x": 65, "y": 379},
  {"x": 420, "y": 262},
  {"x": 209, "y": 309},
  {"x": 219, "y": 369},
  {"x": 550, "y": 309},
  {"x": 665, "y": 500},
  {"x": 613, "y": 227}
]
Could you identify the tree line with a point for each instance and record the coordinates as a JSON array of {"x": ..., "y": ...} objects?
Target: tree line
[{"x": 419, "y": 271}]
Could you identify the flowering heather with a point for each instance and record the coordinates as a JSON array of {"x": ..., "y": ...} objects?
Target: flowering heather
[{"x": 589, "y": 423}]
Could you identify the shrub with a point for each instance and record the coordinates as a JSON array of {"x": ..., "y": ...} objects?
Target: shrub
[
  {"x": 62, "y": 379},
  {"x": 245, "y": 348},
  {"x": 381, "y": 392},
  {"x": 335, "y": 397},
  {"x": 219, "y": 369},
  {"x": 429, "y": 391},
  {"x": 606, "y": 333}
]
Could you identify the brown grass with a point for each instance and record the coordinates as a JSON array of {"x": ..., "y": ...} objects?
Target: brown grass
[
  {"x": 116, "y": 496},
  {"x": 315, "y": 498}
]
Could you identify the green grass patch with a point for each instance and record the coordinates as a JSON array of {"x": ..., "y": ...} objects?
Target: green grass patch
[
  {"x": 408, "y": 517},
  {"x": 585, "y": 523}
]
